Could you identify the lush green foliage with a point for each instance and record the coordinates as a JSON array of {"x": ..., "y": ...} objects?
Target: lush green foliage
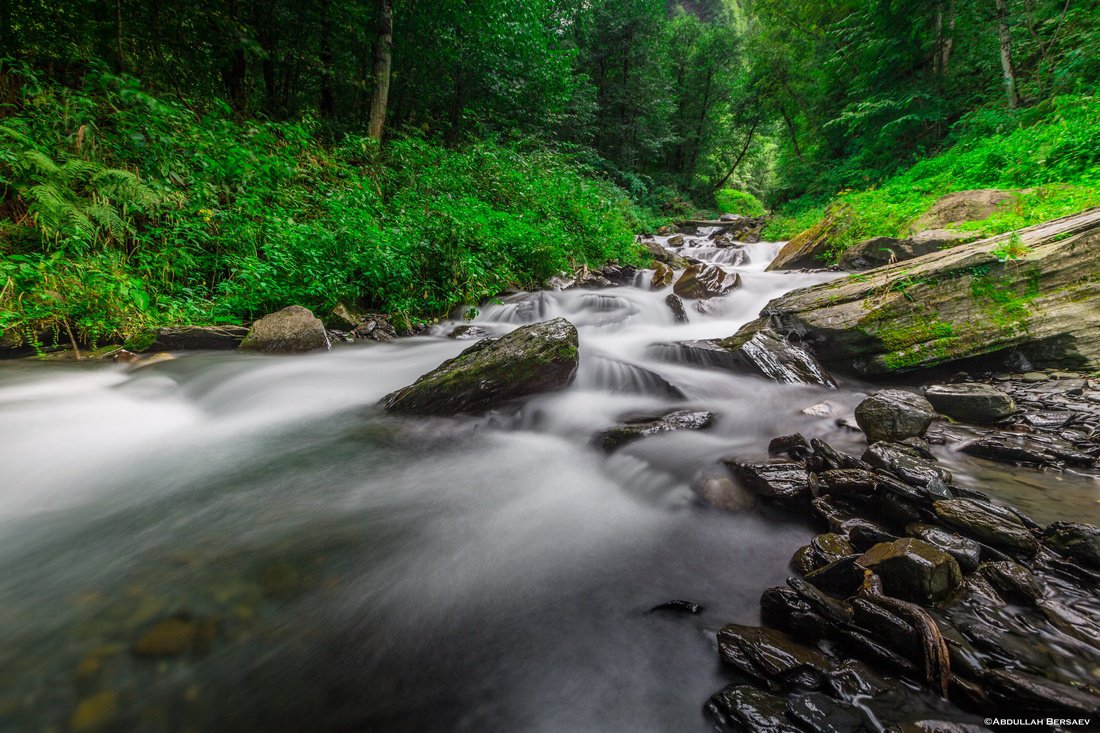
[
  {"x": 123, "y": 211},
  {"x": 732, "y": 201},
  {"x": 1054, "y": 157}
]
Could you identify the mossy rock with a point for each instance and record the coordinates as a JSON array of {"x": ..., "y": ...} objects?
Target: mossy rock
[{"x": 532, "y": 359}]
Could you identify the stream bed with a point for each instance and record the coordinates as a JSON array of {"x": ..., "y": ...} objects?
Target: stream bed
[{"x": 338, "y": 569}]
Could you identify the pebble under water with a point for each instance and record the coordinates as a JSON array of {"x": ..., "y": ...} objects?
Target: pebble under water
[{"x": 325, "y": 567}]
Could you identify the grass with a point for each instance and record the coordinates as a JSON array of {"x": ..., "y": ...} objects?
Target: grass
[{"x": 1050, "y": 156}]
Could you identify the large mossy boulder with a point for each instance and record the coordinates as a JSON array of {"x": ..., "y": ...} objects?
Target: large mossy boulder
[
  {"x": 290, "y": 330},
  {"x": 540, "y": 357},
  {"x": 808, "y": 248},
  {"x": 1034, "y": 291}
]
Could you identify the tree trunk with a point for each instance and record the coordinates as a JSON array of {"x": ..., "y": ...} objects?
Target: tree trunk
[
  {"x": 118, "y": 36},
  {"x": 383, "y": 59},
  {"x": 7, "y": 40},
  {"x": 945, "y": 36},
  {"x": 1006, "y": 55},
  {"x": 740, "y": 157},
  {"x": 327, "y": 103},
  {"x": 791, "y": 129}
]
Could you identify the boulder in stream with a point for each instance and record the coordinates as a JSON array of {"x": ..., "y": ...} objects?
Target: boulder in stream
[
  {"x": 292, "y": 329},
  {"x": 677, "y": 307},
  {"x": 913, "y": 570},
  {"x": 193, "y": 338},
  {"x": 970, "y": 402},
  {"x": 987, "y": 524},
  {"x": 540, "y": 357},
  {"x": 1075, "y": 540},
  {"x": 771, "y": 656},
  {"x": 705, "y": 281},
  {"x": 893, "y": 415},
  {"x": 643, "y": 427}
]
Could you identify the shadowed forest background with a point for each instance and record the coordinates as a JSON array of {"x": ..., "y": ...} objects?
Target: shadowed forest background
[{"x": 191, "y": 162}]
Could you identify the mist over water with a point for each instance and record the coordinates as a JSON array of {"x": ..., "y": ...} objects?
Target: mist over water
[{"x": 367, "y": 572}]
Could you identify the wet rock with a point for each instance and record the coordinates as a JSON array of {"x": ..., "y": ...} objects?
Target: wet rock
[
  {"x": 705, "y": 281},
  {"x": 939, "y": 726},
  {"x": 784, "y": 609},
  {"x": 918, "y": 472},
  {"x": 281, "y": 580},
  {"x": 821, "y": 409},
  {"x": 1075, "y": 540},
  {"x": 829, "y": 458},
  {"x": 532, "y": 359},
  {"x": 913, "y": 570},
  {"x": 887, "y": 627},
  {"x": 832, "y": 546},
  {"x": 834, "y": 511},
  {"x": 987, "y": 525},
  {"x": 1040, "y": 696},
  {"x": 745, "y": 708},
  {"x": 820, "y": 713},
  {"x": 1049, "y": 419},
  {"x": 660, "y": 254},
  {"x": 893, "y": 414},
  {"x": 807, "y": 248},
  {"x": 179, "y": 634},
  {"x": 862, "y": 645},
  {"x": 1013, "y": 581},
  {"x": 841, "y": 576},
  {"x": 787, "y": 483},
  {"x": 864, "y": 534},
  {"x": 619, "y": 275},
  {"x": 852, "y": 677},
  {"x": 194, "y": 338},
  {"x": 376, "y": 327},
  {"x": 850, "y": 483},
  {"x": 970, "y": 402},
  {"x": 468, "y": 332},
  {"x": 676, "y": 240},
  {"x": 793, "y": 446},
  {"x": 95, "y": 713},
  {"x": 806, "y": 559},
  {"x": 966, "y": 551},
  {"x": 677, "y": 307},
  {"x": 678, "y": 606},
  {"x": 723, "y": 493},
  {"x": 662, "y": 276},
  {"x": 771, "y": 656},
  {"x": 1012, "y": 448},
  {"x": 293, "y": 329},
  {"x": 871, "y": 253},
  {"x": 643, "y": 427},
  {"x": 769, "y": 354},
  {"x": 901, "y": 508}
]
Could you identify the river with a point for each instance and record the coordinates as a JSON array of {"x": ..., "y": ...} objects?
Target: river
[{"x": 361, "y": 572}]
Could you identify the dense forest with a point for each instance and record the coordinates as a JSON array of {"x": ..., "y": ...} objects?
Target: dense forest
[{"x": 197, "y": 162}]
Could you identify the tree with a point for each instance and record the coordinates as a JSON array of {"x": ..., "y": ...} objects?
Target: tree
[
  {"x": 383, "y": 59},
  {"x": 1004, "y": 33}
]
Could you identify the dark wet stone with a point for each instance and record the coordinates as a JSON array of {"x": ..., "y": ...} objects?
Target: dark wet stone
[
  {"x": 832, "y": 546},
  {"x": 793, "y": 446},
  {"x": 842, "y": 576},
  {"x": 677, "y": 307},
  {"x": 938, "y": 726},
  {"x": 643, "y": 427},
  {"x": 921, "y": 447},
  {"x": 820, "y": 713},
  {"x": 862, "y": 645},
  {"x": 1049, "y": 419},
  {"x": 836, "y": 612},
  {"x": 894, "y": 414},
  {"x": 532, "y": 359},
  {"x": 984, "y": 523},
  {"x": 468, "y": 332},
  {"x": 863, "y": 534},
  {"x": 1040, "y": 696},
  {"x": 770, "y": 656},
  {"x": 915, "y": 471},
  {"x": 966, "y": 551},
  {"x": 787, "y": 483},
  {"x": 705, "y": 281},
  {"x": 913, "y": 570},
  {"x": 175, "y": 635},
  {"x": 745, "y": 708},
  {"x": 1078, "y": 541},
  {"x": 1026, "y": 449},
  {"x": 900, "y": 509},
  {"x": 806, "y": 559},
  {"x": 831, "y": 458},
  {"x": 677, "y": 607},
  {"x": 852, "y": 677},
  {"x": 850, "y": 483},
  {"x": 833, "y": 511},
  {"x": 784, "y": 609},
  {"x": 970, "y": 402},
  {"x": 887, "y": 627},
  {"x": 1013, "y": 581},
  {"x": 187, "y": 338}
]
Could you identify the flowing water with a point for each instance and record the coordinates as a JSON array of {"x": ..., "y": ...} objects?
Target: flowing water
[{"x": 351, "y": 571}]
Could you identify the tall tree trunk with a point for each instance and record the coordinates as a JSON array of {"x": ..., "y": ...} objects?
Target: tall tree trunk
[
  {"x": 383, "y": 60},
  {"x": 945, "y": 36},
  {"x": 1006, "y": 55},
  {"x": 7, "y": 40},
  {"x": 792, "y": 130},
  {"x": 118, "y": 36},
  {"x": 327, "y": 103}
]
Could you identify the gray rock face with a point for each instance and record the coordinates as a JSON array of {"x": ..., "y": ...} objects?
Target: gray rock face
[
  {"x": 881, "y": 251},
  {"x": 973, "y": 403},
  {"x": 643, "y": 427},
  {"x": 467, "y": 332},
  {"x": 187, "y": 338},
  {"x": 293, "y": 329},
  {"x": 985, "y": 524},
  {"x": 705, "y": 281},
  {"x": 894, "y": 415},
  {"x": 1041, "y": 303},
  {"x": 787, "y": 483},
  {"x": 913, "y": 570},
  {"x": 677, "y": 307},
  {"x": 536, "y": 358}
]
